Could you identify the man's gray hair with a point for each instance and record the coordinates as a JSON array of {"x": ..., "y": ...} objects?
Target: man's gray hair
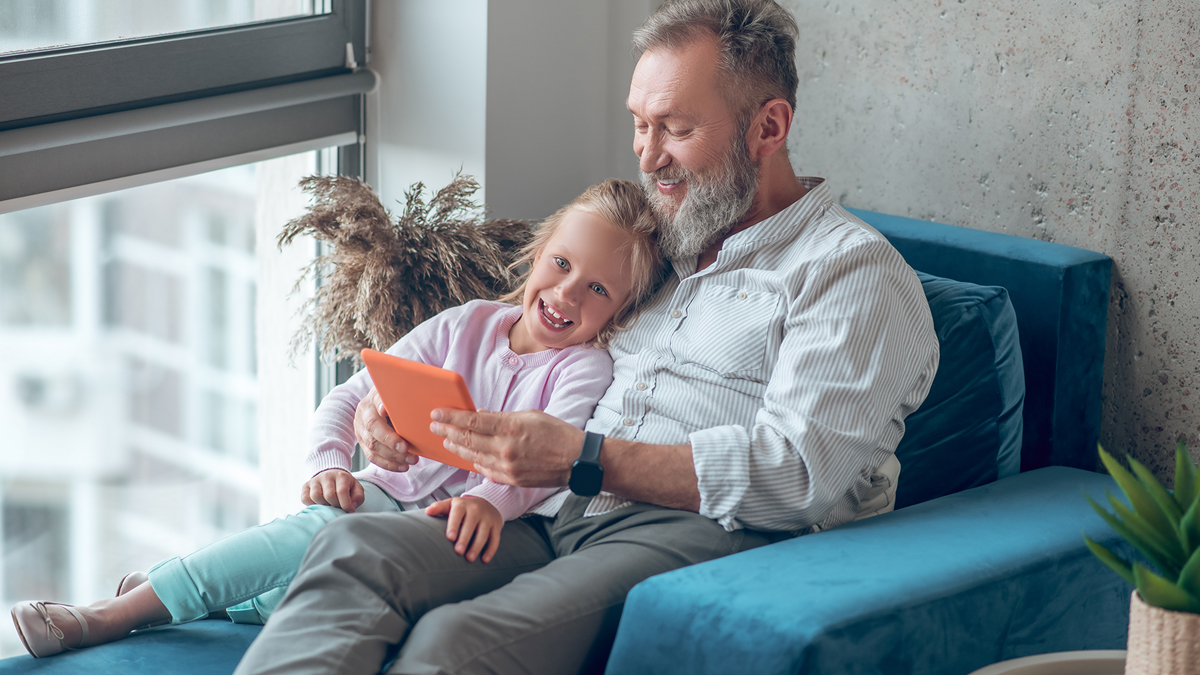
[{"x": 757, "y": 41}]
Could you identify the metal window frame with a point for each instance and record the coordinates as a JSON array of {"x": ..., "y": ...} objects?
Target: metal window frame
[
  {"x": 89, "y": 119},
  {"x": 58, "y": 84}
]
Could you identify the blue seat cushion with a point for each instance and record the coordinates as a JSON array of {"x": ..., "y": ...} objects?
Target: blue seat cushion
[
  {"x": 968, "y": 431},
  {"x": 942, "y": 588},
  {"x": 199, "y": 648}
]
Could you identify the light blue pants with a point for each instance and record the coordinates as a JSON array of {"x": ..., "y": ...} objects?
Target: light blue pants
[{"x": 247, "y": 573}]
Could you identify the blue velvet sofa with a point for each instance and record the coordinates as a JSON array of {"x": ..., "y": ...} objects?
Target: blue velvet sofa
[
  {"x": 982, "y": 560},
  {"x": 945, "y": 585}
]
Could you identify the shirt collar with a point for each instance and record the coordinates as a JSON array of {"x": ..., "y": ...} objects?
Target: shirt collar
[{"x": 787, "y": 223}]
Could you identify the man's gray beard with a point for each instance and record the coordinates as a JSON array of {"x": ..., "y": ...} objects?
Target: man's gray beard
[{"x": 711, "y": 206}]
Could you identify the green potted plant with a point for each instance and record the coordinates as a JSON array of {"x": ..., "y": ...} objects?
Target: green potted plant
[{"x": 1164, "y": 616}]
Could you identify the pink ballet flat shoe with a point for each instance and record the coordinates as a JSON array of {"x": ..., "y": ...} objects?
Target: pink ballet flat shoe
[
  {"x": 38, "y": 632},
  {"x": 131, "y": 581}
]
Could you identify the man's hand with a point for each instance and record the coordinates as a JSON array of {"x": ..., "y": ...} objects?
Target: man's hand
[
  {"x": 333, "y": 487},
  {"x": 380, "y": 442},
  {"x": 473, "y": 522},
  {"x": 527, "y": 449}
]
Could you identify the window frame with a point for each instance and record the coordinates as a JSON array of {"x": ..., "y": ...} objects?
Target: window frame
[
  {"x": 58, "y": 84},
  {"x": 181, "y": 104}
]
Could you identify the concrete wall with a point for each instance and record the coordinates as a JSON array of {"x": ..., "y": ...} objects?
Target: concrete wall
[
  {"x": 528, "y": 96},
  {"x": 1067, "y": 121},
  {"x": 429, "y": 116}
]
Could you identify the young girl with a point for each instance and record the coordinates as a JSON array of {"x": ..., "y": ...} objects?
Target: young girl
[{"x": 590, "y": 264}]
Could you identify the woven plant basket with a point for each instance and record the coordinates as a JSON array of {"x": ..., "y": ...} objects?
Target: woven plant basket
[{"x": 1162, "y": 642}]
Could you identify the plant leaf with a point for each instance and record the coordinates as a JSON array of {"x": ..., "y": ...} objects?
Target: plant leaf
[
  {"x": 1111, "y": 559},
  {"x": 1159, "y": 592},
  {"x": 1189, "y": 576},
  {"x": 1138, "y": 496},
  {"x": 1158, "y": 493},
  {"x": 1185, "y": 478},
  {"x": 1148, "y": 547},
  {"x": 1189, "y": 527},
  {"x": 1170, "y": 547}
]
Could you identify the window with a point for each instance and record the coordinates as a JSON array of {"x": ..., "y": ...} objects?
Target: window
[
  {"x": 35, "y": 544},
  {"x": 145, "y": 167},
  {"x": 35, "y": 25},
  {"x": 129, "y": 390},
  {"x": 85, "y": 119}
]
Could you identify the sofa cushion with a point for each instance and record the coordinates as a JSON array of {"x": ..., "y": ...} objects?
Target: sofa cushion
[
  {"x": 198, "y": 648},
  {"x": 968, "y": 431},
  {"x": 942, "y": 588}
]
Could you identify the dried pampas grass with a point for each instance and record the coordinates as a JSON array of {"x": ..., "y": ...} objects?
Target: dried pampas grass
[{"x": 381, "y": 277}]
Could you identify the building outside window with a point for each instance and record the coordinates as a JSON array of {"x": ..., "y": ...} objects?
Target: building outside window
[
  {"x": 132, "y": 259},
  {"x": 129, "y": 390}
]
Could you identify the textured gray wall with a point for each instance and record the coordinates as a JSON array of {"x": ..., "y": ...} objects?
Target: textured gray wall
[
  {"x": 513, "y": 92},
  {"x": 1072, "y": 122}
]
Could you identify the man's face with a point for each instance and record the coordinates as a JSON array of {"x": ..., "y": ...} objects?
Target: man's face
[{"x": 696, "y": 169}]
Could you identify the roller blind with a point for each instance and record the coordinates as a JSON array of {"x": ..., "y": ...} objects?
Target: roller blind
[
  {"x": 52, "y": 157},
  {"x": 121, "y": 113}
]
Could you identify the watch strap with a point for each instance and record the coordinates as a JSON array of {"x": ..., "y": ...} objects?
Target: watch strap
[{"x": 591, "y": 447}]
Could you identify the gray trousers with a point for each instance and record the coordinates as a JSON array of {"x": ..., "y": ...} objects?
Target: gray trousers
[{"x": 549, "y": 601}]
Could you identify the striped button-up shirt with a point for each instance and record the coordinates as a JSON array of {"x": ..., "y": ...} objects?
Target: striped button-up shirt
[{"x": 789, "y": 365}]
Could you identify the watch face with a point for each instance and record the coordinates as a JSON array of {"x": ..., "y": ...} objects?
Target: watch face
[{"x": 586, "y": 478}]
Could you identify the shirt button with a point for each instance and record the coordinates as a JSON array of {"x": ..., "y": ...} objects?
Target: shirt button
[
  {"x": 512, "y": 360},
  {"x": 641, "y": 386},
  {"x": 627, "y": 422},
  {"x": 675, "y": 314},
  {"x": 742, "y": 295}
]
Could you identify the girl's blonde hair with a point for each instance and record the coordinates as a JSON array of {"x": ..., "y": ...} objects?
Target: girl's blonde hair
[{"x": 625, "y": 206}]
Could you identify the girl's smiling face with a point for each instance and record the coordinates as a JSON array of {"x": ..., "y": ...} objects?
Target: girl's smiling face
[{"x": 578, "y": 282}]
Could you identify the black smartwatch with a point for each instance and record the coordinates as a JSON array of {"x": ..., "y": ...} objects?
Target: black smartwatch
[{"x": 586, "y": 473}]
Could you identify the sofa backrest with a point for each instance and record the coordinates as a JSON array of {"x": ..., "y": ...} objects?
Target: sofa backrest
[{"x": 1060, "y": 295}]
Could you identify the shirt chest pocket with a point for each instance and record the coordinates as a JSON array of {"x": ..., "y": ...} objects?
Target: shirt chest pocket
[{"x": 730, "y": 330}]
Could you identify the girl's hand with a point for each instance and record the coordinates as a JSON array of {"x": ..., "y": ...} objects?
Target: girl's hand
[
  {"x": 333, "y": 487},
  {"x": 474, "y": 522}
]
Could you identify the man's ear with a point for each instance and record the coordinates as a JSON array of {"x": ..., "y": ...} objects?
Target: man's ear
[{"x": 769, "y": 131}]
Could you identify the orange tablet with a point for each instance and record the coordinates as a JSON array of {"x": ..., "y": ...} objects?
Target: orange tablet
[{"x": 410, "y": 391}]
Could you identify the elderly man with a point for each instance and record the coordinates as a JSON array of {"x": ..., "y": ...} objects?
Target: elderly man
[{"x": 762, "y": 389}]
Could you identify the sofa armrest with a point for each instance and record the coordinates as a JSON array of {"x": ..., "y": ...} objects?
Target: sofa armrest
[{"x": 948, "y": 586}]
